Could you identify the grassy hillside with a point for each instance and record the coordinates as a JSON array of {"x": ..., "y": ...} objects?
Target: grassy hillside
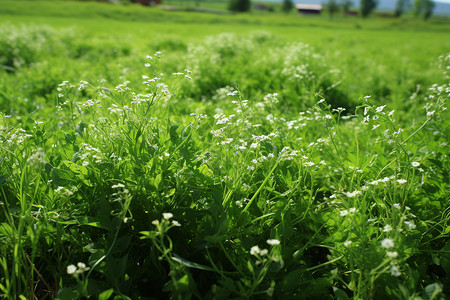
[{"x": 152, "y": 154}]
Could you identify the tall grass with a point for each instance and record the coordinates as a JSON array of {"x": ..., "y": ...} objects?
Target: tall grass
[{"x": 248, "y": 167}]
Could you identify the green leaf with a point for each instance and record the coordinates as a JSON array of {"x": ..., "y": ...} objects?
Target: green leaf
[
  {"x": 81, "y": 126},
  {"x": 157, "y": 181},
  {"x": 106, "y": 294},
  {"x": 190, "y": 264},
  {"x": 447, "y": 230},
  {"x": 291, "y": 280},
  {"x": 433, "y": 290},
  {"x": 250, "y": 266},
  {"x": 89, "y": 221},
  {"x": 184, "y": 282},
  {"x": 340, "y": 294},
  {"x": 62, "y": 177},
  {"x": 173, "y": 133},
  {"x": 3, "y": 179},
  {"x": 76, "y": 168}
]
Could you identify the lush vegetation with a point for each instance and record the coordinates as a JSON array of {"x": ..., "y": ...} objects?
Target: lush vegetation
[{"x": 148, "y": 154}]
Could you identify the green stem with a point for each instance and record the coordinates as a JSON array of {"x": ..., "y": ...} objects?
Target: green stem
[{"x": 261, "y": 186}]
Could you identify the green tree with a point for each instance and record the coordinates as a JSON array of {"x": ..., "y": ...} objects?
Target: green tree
[
  {"x": 400, "y": 7},
  {"x": 424, "y": 8},
  {"x": 367, "y": 6},
  {"x": 239, "y": 5},
  {"x": 332, "y": 7},
  {"x": 346, "y": 5},
  {"x": 287, "y": 6}
]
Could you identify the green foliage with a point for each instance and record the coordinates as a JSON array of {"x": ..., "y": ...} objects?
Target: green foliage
[
  {"x": 332, "y": 7},
  {"x": 346, "y": 5},
  {"x": 367, "y": 6},
  {"x": 400, "y": 7},
  {"x": 288, "y": 5},
  {"x": 241, "y": 165},
  {"x": 239, "y": 5},
  {"x": 424, "y": 8}
]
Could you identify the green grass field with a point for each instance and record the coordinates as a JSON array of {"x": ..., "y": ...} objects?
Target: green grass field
[{"x": 153, "y": 154}]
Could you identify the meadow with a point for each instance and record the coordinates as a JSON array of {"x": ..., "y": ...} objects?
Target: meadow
[{"x": 152, "y": 154}]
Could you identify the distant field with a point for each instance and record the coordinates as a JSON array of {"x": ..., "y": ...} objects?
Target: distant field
[{"x": 153, "y": 154}]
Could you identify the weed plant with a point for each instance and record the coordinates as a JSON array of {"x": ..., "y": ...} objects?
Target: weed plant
[{"x": 147, "y": 180}]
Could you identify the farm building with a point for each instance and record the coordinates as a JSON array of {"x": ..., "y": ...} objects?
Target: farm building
[{"x": 309, "y": 9}]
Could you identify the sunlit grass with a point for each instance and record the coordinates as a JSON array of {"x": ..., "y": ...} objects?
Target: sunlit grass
[{"x": 246, "y": 164}]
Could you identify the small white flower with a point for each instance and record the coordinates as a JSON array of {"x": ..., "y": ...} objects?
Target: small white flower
[
  {"x": 392, "y": 254},
  {"x": 387, "y": 228},
  {"x": 347, "y": 243},
  {"x": 264, "y": 252},
  {"x": 175, "y": 223},
  {"x": 155, "y": 222},
  {"x": 411, "y": 225},
  {"x": 415, "y": 164},
  {"x": 167, "y": 216},
  {"x": 352, "y": 194},
  {"x": 401, "y": 181},
  {"x": 397, "y": 206},
  {"x": 273, "y": 242},
  {"x": 116, "y": 186},
  {"x": 255, "y": 250},
  {"x": 380, "y": 108},
  {"x": 366, "y": 110},
  {"x": 385, "y": 179},
  {"x": 395, "y": 271},
  {"x": 343, "y": 213},
  {"x": 387, "y": 243},
  {"x": 71, "y": 269},
  {"x": 81, "y": 265}
]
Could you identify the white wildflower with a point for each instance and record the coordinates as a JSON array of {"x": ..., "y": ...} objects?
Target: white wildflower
[
  {"x": 395, "y": 271},
  {"x": 387, "y": 228},
  {"x": 410, "y": 225},
  {"x": 167, "y": 216},
  {"x": 343, "y": 213},
  {"x": 387, "y": 243},
  {"x": 380, "y": 108},
  {"x": 352, "y": 194},
  {"x": 273, "y": 242},
  {"x": 71, "y": 269},
  {"x": 116, "y": 186},
  {"x": 255, "y": 250},
  {"x": 392, "y": 254}
]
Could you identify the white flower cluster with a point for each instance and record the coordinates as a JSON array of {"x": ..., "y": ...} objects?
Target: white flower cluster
[{"x": 77, "y": 270}]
